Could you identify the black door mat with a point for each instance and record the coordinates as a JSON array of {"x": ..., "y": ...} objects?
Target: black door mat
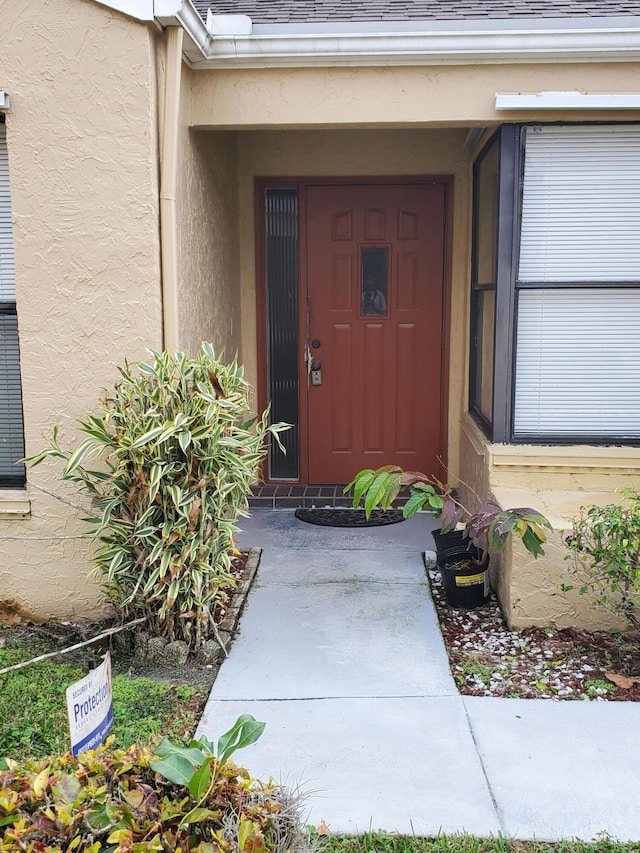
[{"x": 343, "y": 517}]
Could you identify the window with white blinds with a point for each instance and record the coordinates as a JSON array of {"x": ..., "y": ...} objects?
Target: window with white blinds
[
  {"x": 11, "y": 424},
  {"x": 578, "y": 362},
  {"x": 581, "y": 204},
  {"x": 577, "y": 373}
]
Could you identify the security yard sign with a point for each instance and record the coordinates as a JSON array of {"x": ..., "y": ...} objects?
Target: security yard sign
[{"x": 90, "y": 708}]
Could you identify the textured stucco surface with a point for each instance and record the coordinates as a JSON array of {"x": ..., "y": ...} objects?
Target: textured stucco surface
[
  {"x": 558, "y": 481},
  {"x": 83, "y": 148},
  {"x": 82, "y": 142},
  {"x": 207, "y": 211},
  {"x": 401, "y": 96}
]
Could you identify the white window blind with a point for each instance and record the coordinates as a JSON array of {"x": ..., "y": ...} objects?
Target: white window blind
[
  {"x": 578, "y": 363},
  {"x": 581, "y": 204},
  {"x": 11, "y": 426},
  {"x": 7, "y": 268}
]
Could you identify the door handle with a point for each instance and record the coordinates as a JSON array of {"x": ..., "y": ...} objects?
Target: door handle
[{"x": 316, "y": 372}]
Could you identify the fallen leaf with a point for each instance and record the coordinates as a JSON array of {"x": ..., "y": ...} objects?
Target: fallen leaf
[
  {"x": 323, "y": 829},
  {"x": 625, "y": 682}
]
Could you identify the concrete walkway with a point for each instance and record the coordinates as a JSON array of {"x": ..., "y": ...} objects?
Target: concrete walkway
[{"x": 340, "y": 653}]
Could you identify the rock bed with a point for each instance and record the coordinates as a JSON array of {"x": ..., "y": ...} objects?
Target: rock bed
[{"x": 488, "y": 659}]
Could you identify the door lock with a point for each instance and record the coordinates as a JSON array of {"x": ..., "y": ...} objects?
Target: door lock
[{"x": 316, "y": 372}]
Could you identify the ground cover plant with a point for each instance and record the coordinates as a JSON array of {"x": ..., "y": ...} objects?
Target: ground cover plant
[
  {"x": 167, "y": 466},
  {"x": 123, "y": 800},
  {"x": 381, "y": 843}
]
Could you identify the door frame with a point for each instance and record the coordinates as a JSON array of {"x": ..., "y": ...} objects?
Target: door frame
[{"x": 301, "y": 184}]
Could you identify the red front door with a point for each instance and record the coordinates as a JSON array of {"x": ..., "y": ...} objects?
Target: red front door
[{"x": 375, "y": 289}]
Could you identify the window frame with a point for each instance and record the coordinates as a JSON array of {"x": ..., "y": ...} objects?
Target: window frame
[
  {"x": 512, "y": 141},
  {"x": 521, "y": 286},
  {"x": 498, "y": 429},
  {"x": 8, "y": 308}
]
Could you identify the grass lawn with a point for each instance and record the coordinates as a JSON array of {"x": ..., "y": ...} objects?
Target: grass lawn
[
  {"x": 33, "y": 714},
  {"x": 380, "y": 843}
]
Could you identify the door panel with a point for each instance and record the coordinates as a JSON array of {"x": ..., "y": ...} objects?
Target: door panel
[{"x": 375, "y": 291}]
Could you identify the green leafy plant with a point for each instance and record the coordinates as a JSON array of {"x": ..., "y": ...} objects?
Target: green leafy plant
[
  {"x": 197, "y": 766},
  {"x": 489, "y": 526},
  {"x": 176, "y": 452},
  {"x": 605, "y": 552},
  {"x": 112, "y": 799},
  {"x": 598, "y": 687}
]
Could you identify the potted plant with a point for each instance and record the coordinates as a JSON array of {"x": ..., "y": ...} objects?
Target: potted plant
[{"x": 464, "y": 538}]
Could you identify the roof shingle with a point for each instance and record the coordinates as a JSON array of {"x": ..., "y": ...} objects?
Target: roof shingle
[{"x": 324, "y": 11}]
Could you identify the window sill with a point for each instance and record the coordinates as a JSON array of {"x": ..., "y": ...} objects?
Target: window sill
[{"x": 14, "y": 503}]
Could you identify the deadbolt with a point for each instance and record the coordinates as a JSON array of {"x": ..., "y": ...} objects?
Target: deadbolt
[{"x": 315, "y": 344}]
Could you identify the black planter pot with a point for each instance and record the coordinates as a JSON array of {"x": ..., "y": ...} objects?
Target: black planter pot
[
  {"x": 466, "y": 587},
  {"x": 444, "y": 541}
]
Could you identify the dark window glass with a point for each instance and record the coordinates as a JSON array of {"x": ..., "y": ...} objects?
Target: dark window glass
[
  {"x": 375, "y": 294},
  {"x": 484, "y": 282},
  {"x": 487, "y": 217},
  {"x": 483, "y": 327}
]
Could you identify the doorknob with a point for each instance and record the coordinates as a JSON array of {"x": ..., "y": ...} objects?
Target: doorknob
[{"x": 316, "y": 372}]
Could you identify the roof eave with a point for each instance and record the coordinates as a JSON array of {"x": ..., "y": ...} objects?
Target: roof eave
[
  {"x": 169, "y": 13},
  {"x": 379, "y": 44},
  {"x": 197, "y": 41},
  {"x": 438, "y": 47}
]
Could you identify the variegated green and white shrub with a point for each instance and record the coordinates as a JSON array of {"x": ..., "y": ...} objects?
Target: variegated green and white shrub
[{"x": 168, "y": 466}]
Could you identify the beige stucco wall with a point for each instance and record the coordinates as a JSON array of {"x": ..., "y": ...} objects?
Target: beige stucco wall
[
  {"x": 82, "y": 136},
  {"x": 360, "y": 153},
  {"x": 558, "y": 481},
  {"x": 402, "y": 96},
  {"x": 82, "y": 142},
  {"x": 207, "y": 213}
]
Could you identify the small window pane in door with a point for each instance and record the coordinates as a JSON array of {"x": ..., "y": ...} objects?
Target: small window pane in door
[{"x": 374, "y": 266}]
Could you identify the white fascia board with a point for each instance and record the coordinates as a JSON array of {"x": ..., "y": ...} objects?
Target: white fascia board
[
  {"x": 182, "y": 13},
  {"x": 438, "y": 47},
  {"x": 567, "y": 101},
  {"x": 4, "y": 101},
  {"x": 141, "y": 10}
]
